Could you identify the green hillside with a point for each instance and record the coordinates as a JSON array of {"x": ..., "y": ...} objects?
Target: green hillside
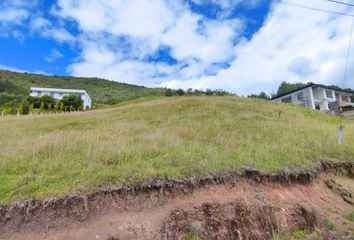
[
  {"x": 15, "y": 87},
  {"x": 51, "y": 155}
]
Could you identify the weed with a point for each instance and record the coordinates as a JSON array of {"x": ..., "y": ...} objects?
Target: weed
[
  {"x": 329, "y": 225},
  {"x": 190, "y": 235},
  {"x": 350, "y": 216}
]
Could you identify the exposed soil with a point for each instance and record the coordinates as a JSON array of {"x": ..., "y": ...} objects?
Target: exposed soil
[{"x": 246, "y": 205}]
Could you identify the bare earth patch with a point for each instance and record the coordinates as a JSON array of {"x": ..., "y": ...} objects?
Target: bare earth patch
[{"x": 252, "y": 206}]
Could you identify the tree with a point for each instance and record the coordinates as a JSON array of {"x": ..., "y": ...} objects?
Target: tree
[
  {"x": 42, "y": 106},
  {"x": 180, "y": 92},
  {"x": 20, "y": 109},
  {"x": 56, "y": 107},
  {"x": 31, "y": 108},
  {"x": 72, "y": 101},
  {"x": 47, "y": 100},
  {"x": 81, "y": 108},
  {"x": 261, "y": 95},
  {"x": 286, "y": 87},
  {"x": 50, "y": 107},
  {"x": 209, "y": 92},
  {"x": 169, "y": 92},
  {"x": 26, "y": 107},
  {"x": 61, "y": 106},
  {"x": 36, "y": 101}
]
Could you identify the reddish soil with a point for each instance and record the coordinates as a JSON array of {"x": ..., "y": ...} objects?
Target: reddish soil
[{"x": 245, "y": 209}]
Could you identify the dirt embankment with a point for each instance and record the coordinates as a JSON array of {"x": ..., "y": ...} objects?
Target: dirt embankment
[{"x": 247, "y": 205}]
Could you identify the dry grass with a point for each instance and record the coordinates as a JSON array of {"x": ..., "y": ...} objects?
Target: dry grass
[{"x": 45, "y": 156}]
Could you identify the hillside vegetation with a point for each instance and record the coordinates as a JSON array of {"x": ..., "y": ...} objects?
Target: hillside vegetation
[
  {"x": 51, "y": 155},
  {"x": 15, "y": 87}
]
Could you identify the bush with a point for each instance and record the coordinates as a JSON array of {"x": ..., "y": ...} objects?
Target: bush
[
  {"x": 169, "y": 93},
  {"x": 48, "y": 101},
  {"x": 72, "y": 102},
  {"x": 180, "y": 92}
]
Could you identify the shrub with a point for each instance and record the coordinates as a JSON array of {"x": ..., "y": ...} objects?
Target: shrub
[
  {"x": 47, "y": 101},
  {"x": 72, "y": 102},
  {"x": 180, "y": 92},
  {"x": 169, "y": 93},
  {"x": 350, "y": 216}
]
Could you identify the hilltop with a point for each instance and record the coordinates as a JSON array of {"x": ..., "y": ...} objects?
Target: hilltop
[
  {"x": 14, "y": 87},
  {"x": 177, "y": 168},
  {"x": 50, "y": 155}
]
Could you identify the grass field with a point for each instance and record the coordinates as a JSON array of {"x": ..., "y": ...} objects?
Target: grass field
[{"x": 46, "y": 156}]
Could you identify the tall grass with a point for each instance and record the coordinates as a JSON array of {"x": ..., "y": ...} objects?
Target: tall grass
[{"x": 45, "y": 156}]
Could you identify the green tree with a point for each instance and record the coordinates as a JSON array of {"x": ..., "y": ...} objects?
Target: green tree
[
  {"x": 180, "y": 92},
  {"x": 286, "y": 87},
  {"x": 81, "y": 108},
  {"x": 72, "y": 101},
  {"x": 261, "y": 95},
  {"x": 56, "y": 107},
  {"x": 42, "y": 106},
  {"x": 31, "y": 108},
  {"x": 20, "y": 109},
  {"x": 36, "y": 101},
  {"x": 61, "y": 106},
  {"x": 47, "y": 100},
  {"x": 169, "y": 92},
  {"x": 209, "y": 92}
]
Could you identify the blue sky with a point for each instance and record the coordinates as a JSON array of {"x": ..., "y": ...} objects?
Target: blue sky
[{"x": 237, "y": 45}]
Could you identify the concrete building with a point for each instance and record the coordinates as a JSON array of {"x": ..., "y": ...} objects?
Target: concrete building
[
  {"x": 320, "y": 97},
  {"x": 58, "y": 94}
]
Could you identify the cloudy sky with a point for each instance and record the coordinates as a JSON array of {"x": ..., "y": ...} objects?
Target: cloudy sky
[{"x": 243, "y": 46}]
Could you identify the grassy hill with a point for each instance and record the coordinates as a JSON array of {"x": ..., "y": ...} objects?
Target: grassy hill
[
  {"x": 50, "y": 155},
  {"x": 16, "y": 86}
]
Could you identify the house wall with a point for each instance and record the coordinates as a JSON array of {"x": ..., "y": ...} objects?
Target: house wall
[
  {"x": 307, "y": 96},
  {"x": 325, "y": 96},
  {"x": 59, "y": 95}
]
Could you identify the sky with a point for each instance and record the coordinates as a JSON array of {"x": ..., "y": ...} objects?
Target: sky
[{"x": 242, "y": 46}]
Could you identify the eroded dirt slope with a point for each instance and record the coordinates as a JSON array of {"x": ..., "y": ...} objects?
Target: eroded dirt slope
[{"x": 252, "y": 205}]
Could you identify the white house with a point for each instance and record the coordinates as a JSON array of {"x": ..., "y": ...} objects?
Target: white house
[
  {"x": 320, "y": 97},
  {"x": 58, "y": 94}
]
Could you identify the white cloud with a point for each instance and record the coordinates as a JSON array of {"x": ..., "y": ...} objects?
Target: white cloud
[
  {"x": 116, "y": 39},
  {"x": 14, "y": 13},
  {"x": 53, "y": 55},
  {"x": 210, "y": 44},
  {"x": 290, "y": 38},
  {"x": 47, "y": 29},
  {"x": 197, "y": 43}
]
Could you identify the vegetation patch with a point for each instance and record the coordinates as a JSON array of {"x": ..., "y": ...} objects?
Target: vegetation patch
[
  {"x": 350, "y": 216},
  {"x": 15, "y": 88},
  {"x": 51, "y": 155}
]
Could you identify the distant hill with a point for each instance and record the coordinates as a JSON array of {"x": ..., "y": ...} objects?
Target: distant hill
[{"x": 15, "y": 86}]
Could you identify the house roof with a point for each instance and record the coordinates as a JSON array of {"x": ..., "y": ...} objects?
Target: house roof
[
  {"x": 58, "y": 90},
  {"x": 314, "y": 85}
]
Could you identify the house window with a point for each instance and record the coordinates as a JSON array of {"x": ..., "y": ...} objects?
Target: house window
[
  {"x": 329, "y": 94},
  {"x": 300, "y": 97},
  {"x": 287, "y": 99},
  {"x": 345, "y": 98}
]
